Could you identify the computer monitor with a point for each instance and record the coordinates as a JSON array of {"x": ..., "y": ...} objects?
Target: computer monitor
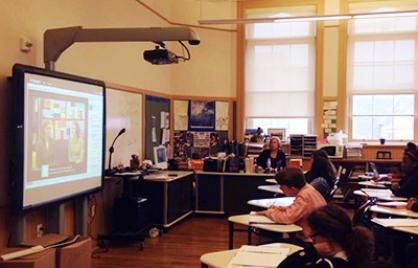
[{"x": 160, "y": 157}]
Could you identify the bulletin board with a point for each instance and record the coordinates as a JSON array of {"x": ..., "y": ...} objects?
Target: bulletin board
[
  {"x": 154, "y": 106},
  {"x": 123, "y": 110},
  {"x": 329, "y": 123}
]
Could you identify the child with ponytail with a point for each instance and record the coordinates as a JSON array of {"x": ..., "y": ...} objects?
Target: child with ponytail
[{"x": 336, "y": 243}]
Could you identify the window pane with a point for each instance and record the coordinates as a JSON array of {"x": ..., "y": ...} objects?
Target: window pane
[
  {"x": 363, "y": 51},
  {"x": 362, "y": 105},
  {"x": 292, "y": 125},
  {"x": 383, "y": 76},
  {"x": 363, "y": 77},
  {"x": 404, "y": 104},
  {"x": 382, "y": 127},
  {"x": 362, "y": 127},
  {"x": 403, "y": 127},
  {"x": 405, "y": 50},
  {"x": 404, "y": 76},
  {"x": 383, "y": 104},
  {"x": 383, "y": 51}
]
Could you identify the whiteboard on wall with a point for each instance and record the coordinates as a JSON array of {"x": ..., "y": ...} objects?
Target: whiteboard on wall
[{"x": 123, "y": 110}]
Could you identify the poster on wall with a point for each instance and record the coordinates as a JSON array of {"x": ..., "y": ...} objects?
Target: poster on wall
[
  {"x": 329, "y": 124},
  {"x": 221, "y": 116},
  {"x": 181, "y": 115},
  {"x": 201, "y": 139},
  {"x": 201, "y": 115}
]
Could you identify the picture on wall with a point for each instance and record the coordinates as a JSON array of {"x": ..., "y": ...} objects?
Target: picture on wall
[{"x": 201, "y": 115}]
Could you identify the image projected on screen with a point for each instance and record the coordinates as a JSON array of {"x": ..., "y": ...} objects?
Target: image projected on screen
[
  {"x": 63, "y": 138},
  {"x": 58, "y": 137}
]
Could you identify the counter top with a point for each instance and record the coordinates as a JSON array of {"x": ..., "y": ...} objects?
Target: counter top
[
  {"x": 235, "y": 174},
  {"x": 167, "y": 175}
]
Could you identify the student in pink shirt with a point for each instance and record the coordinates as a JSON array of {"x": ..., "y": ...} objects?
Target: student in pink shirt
[{"x": 292, "y": 183}]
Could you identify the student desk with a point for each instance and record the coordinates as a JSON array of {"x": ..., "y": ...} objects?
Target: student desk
[
  {"x": 227, "y": 193},
  {"x": 413, "y": 230},
  {"x": 283, "y": 229},
  {"x": 221, "y": 259},
  {"x": 270, "y": 188},
  {"x": 265, "y": 203},
  {"x": 170, "y": 196},
  {"x": 373, "y": 184},
  {"x": 403, "y": 212},
  {"x": 273, "y": 181},
  {"x": 380, "y": 194}
]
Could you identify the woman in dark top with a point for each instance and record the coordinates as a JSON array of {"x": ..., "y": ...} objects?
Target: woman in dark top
[
  {"x": 335, "y": 242},
  {"x": 322, "y": 167},
  {"x": 408, "y": 185},
  {"x": 276, "y": 156}
]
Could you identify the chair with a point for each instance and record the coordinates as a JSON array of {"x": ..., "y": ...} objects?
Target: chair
[{"x": 322, "y": 186}]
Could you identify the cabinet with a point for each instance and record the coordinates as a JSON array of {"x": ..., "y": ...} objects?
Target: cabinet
[{"x": 169, "y": 195}]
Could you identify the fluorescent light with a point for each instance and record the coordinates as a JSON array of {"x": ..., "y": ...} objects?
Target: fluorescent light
[
  {"x": 313, "y": 18},
  {"x": 386, "y": 14},
  {"x": 317, "y": 18}
]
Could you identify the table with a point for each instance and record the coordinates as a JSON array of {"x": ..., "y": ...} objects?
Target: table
[
  {"x": 273, "y": 181},
  {"x": 265, "y": 203},
  {"x": 271, "y": 188},
  {"x": 410, "y": 230},
  {"x": 221, "y": 259},
  {"x": 403, "y": 212},
  {"x": 244, "y": 220},
  {"x": 380, "y": 194},
  {"x": 373, "y": 184}
]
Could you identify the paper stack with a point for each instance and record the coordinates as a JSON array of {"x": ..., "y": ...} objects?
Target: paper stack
[{"x": 261, "y": 256}]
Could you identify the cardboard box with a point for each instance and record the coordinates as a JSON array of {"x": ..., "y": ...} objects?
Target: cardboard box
[
  {"x": 44, "y": 259},
  {"x": 77, "y": 255}
]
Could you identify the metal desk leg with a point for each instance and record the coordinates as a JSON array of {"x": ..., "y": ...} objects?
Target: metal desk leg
[
  {"x": 231, "y": 235},
  {"x": 249, "y": 232}
]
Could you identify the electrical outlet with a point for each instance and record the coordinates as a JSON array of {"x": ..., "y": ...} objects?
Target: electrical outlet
[{"x": 39, "y": 230}]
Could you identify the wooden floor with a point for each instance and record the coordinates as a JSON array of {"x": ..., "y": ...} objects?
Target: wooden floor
[{"x": 181, "y": 246}]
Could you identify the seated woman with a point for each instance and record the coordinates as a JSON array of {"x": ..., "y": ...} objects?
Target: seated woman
[
  {"x": 322, "y": 167},
  {"x": 276, "y": 156},
  {"x": 335, "y": 242},
  {"x": 408, "y": 185}
]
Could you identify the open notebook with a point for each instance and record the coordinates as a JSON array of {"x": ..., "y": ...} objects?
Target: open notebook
[{"x": 261, "y": 256}]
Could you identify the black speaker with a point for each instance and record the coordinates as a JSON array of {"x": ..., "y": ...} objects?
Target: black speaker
[{"x": 131, "y": 214}]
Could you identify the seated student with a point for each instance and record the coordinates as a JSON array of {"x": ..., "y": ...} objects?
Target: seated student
[
  {"x": 276, "y": 156},
  {"x": 408, "y": 185},
  {"x": 321, "y": 167},
  {"x": 292, "y": 182},
  {"x": 335, "y": 242},
  {"x": 412, "y": 204}
]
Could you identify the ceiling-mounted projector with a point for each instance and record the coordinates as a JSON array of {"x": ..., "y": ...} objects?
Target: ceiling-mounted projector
[{"x": 159, "y": 56}]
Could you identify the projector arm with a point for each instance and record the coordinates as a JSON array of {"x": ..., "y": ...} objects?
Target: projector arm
[{"x": 56, "y": 41}]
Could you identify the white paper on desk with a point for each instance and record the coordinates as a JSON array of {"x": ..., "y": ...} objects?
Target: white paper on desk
[
  {"x": 259, "y": 219},
  {"x": 377, "y": 192},
  {"x": 265, "y": 249},
  {"x": 258, "y": 259},
  {"x": 398, "y": 222},
  {"x": 391, "y": 204}
]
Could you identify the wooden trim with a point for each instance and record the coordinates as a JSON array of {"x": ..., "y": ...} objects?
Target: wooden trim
[
  {"x": 342, "y": 71},
  {"x": 241, "y": 44},
  {"x": 329, "y": 98},
  {"x": 230, "y": 119},
  {"x": 210, "y": 98},
  {"x": 319, "y": 70},
  {"x": 136, "y": 90},
  {"x": 172, "y": 125},
  {"x": 143, "y": 127},
  {"x": 183, "y": 24}
]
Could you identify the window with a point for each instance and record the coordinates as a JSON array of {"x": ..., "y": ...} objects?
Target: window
[
  {"x": 280, "y": 75},
  {"x": 382, "y": 77}
]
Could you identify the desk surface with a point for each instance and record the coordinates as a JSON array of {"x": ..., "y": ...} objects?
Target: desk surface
[
  {"x": 167, "y": 176},
  {"x": 271, "y": 188},
  {"x": 236, "y": 174},
  {"x": 276, "y": 228},
  {"x": 410, "y": 230},
  {"x": 221, "y": 259},
  {"x": 403, "y": 212},
  {"x": 273, "y": 181},
  {"x": 380, "y": 194},
  {"x": 265, "y": 203},
  {"x": 373, "y": 184}
]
